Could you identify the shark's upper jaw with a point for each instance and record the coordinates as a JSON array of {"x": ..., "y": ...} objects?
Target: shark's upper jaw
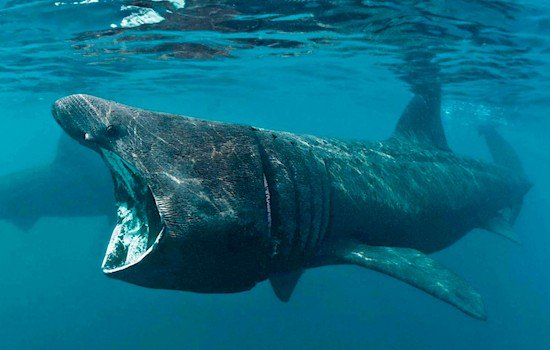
[{"x": 139, "y": 226}]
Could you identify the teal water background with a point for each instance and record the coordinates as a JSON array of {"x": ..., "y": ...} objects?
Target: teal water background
[{"x": 351, "y": 80}]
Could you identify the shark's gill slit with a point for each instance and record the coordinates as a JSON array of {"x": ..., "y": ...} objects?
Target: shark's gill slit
[
  {"x": 269, "y": 189},
  {"x": 267, "y": 204},
  {"x": 139, "y": 225}
]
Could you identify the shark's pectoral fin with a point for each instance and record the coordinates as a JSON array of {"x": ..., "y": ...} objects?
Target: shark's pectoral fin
[
  {"x": 283, "y": 284},
  {"x": 502, "y": 225},
  {"x": 409, "y": 266}
]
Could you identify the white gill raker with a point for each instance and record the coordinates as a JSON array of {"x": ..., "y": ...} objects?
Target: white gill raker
[
  {"x": 136, "y": 246},
  {"x": 124, "y": 175}
]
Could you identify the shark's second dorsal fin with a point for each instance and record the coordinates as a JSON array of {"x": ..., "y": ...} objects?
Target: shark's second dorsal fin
[{"x": 421, "y": 119}]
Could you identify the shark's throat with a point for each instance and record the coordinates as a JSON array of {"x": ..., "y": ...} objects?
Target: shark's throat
[{"x": 139, "y": 225}]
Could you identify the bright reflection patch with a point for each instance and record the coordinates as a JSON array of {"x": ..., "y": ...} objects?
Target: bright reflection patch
[{"x": 138, "y": 225}]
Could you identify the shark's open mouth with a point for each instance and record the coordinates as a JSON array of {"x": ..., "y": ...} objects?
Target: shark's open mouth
[{"x": 139, "y": 225}]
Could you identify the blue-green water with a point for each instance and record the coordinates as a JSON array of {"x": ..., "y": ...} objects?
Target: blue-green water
[{"x": 331, "y": 68}]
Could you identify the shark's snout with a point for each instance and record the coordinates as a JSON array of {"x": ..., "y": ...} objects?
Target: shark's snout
[
  {"x": 67, "y": 107},
  {"x": 69, "y": 115},
  {"x": 81, "y": 116}
]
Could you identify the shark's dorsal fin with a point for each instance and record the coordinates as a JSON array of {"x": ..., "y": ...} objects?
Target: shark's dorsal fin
[
  {"x": 420, "y": 122},
  {"x": 283, "y": 284},
  {"x": 410, "y": 266}
]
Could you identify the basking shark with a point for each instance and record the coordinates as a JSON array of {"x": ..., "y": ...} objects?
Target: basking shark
[
  {"x": 212, "y": 207},
  {"x": 74, "y": 184}
]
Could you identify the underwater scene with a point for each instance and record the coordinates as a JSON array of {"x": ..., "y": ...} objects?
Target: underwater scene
[{"x": 283, "y": 174}]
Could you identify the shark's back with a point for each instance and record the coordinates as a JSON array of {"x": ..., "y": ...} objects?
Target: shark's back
[
  {"x": 400, "y": 193},
  {"x": 410, "y": 190}
]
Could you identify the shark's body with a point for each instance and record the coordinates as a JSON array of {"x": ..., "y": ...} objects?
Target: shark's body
[
  {"x": 75, "y": 184},
  {"x": 214, "y": 207}
]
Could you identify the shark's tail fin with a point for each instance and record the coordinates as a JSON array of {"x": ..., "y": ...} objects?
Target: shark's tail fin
[
  {"x": 504, "y": 155},
  {"x": 502, "y": 152}
]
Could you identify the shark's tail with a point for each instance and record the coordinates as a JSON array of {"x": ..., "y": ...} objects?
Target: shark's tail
[{"x": 503, "y": 154}]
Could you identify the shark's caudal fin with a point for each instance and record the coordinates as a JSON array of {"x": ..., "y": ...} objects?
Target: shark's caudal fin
[
  {"x": 409, "y": 266},
  {"x": 504, "y": 155},
  {"x": 502, "y": 152},
  {"x": 421, "y": 119}
]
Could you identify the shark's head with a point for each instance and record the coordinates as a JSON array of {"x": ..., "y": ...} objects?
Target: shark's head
[{"x": 190, "y": 196}]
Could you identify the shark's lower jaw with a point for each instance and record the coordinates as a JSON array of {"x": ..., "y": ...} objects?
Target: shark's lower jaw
[{"x": 139, "y": 226}]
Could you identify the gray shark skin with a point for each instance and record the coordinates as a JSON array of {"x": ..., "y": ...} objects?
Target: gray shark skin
[
  {"x": 217, "y": 208},
  {"x": 75, "y": 184}
]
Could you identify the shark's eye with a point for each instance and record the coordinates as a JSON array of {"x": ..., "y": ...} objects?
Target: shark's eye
[{"x": 111, "y": 130}]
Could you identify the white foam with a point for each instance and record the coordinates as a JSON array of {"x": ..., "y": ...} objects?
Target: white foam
[
  {"x": 83, "y": 2},
  {"x": 142, "y": 15},
  {"x": 178, "y": 4}
]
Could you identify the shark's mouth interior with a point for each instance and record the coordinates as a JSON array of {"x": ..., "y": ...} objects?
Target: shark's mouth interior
[{"x": 139, "y": 225}]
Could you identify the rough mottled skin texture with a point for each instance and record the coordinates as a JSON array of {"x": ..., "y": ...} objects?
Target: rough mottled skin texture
[
  {"x": 207, "y": 182},
  {"x": 391, "y": 193},
  {"x": 223, "y": 234}
]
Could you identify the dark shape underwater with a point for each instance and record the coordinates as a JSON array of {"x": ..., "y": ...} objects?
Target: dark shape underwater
[
  {"x": 216, "y": 208},
  {"x": 75, "y": 184}
]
